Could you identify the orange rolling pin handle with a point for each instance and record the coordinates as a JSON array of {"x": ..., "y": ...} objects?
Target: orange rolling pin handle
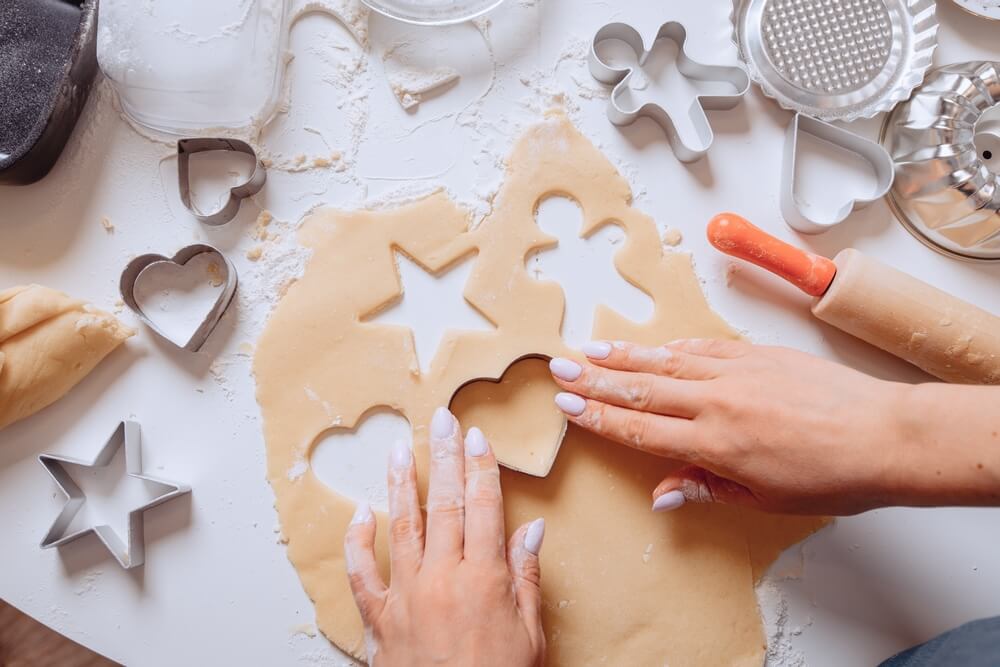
[{"x": 734, "y": 235}]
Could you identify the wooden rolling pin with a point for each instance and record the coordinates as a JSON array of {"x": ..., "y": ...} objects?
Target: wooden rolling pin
[{"x": 941, "y": 334}]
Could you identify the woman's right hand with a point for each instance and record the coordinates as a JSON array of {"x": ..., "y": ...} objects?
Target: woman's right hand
[{"x": 784, "y": 431}]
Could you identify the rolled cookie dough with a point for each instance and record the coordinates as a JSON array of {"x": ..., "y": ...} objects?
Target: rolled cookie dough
[
  {"x": 48, "y": 343},
  {"x": 621, "y": 585}
]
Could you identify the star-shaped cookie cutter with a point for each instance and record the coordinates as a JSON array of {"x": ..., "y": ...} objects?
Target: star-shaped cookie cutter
[
  {"x": 698, "y": 126},
  {"x": 132, "y": 552}
]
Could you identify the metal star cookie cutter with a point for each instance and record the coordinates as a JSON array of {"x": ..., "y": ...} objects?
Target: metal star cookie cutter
[
  {"x": 809, "y": 218},
  {"x": 188, "y": 147},
  {"x": 227, "y": 274},
  {"x": 698, "y": 125},
  {"x": 132, "y": 552}
]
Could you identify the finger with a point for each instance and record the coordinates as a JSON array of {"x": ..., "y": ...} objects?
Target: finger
[
  {"x": 484, "y": 529},
  {"x": 661, "y": 360},
  {"x": 522, "y": 560},
  {"x": 359, "y": 551},
  {"x": 672, "y": 437},
  {"x": 692, "y": 484},
  {"x": 711, "y": 347},
  {"x": 446, "y": 490},
  {"x": 636, "y": 391},
  {"x": 406, "y": 526}
]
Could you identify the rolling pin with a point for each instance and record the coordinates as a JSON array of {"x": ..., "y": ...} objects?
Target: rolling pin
[{"x": 939, "y": 333}]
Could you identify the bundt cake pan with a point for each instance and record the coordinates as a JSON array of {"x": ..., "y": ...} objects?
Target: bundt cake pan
[{"x": 944, "y": 142}]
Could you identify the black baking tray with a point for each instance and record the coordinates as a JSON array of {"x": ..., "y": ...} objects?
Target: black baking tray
[{"x": 48, "y": 61}]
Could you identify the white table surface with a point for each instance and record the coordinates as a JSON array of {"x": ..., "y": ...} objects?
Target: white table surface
[{"x": 217, "y": 587}]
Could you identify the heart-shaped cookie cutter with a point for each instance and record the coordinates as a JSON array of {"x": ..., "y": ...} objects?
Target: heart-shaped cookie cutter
[
  {"x": 617, "y": 76},
  {"x": 188, "y": 147},
  {"x": 501, "y": 459},
  {"x": 808, "y": 218},
  {"x": 135, "y": 268}
]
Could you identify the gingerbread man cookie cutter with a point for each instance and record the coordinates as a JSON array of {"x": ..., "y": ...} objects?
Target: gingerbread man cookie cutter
[{"x": 698, "y": 129}]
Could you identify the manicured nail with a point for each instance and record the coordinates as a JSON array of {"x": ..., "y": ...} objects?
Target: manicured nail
[
  {"x": 534, "y": 535},
  {"x": 571, "y": 404},
  {"x": 401, "y": 456},
  {"x": 475, "y": 443},
  {"x": 443, "y": 424},
  {"x": 597, "y": 350},
  {"x": 565, "y": 369},
  {"x": 362, "y": 513},
  {"x": 670, "y": 500}
]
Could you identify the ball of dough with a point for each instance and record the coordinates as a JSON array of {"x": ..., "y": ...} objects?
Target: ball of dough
[{"x": 48, "y": 343}]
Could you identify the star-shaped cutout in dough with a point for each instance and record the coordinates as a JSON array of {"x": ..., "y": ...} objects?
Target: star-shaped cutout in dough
[
  {"x": 131, "y": 552},
  {"x": 431, "y": 306}
]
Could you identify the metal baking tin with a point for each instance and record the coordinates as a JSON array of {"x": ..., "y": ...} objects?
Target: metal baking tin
[
  {"x": 809, "y": 218},
  {"x": 985, "y": 9},
  {"x": 947, "y": 193},
  {"x": 619, "y": 77},
  {"x": 188, "y": 147},
  {"x": 126, "y": 286},
  {"x": 132, "y": 552},
  {"x": 33, "y": 157},
  {"x": 836, "y": 59}
]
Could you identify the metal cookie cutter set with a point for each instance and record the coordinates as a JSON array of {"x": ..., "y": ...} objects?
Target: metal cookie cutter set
[
  {"x": 226, "y": 274},
  {"x": 808, "y": 217},
  {"x": 836, "y": 59},
  {"x": 690, "y": 134},
  {"x": 132, "y": 552},
  {"x": 187, "y": 147}
]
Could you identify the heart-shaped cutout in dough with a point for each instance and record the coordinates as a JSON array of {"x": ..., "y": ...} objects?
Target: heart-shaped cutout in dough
[
  {"x": 518, "y": 415},
  {"x": 165, "y": 293},
  {"x": 352, "y": 461}
]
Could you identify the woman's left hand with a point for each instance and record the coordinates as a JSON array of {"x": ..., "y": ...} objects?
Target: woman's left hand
[{"x": 458, "y": 595}]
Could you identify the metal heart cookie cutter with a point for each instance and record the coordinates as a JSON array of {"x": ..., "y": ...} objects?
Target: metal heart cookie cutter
[
  {"x": 697, "y": 125},
  {"x": 132, "y": 552},
  {"x": 227, "y": 275},
  {"x": 810, "y": 218},
  {"x": 188, "y": 147}
]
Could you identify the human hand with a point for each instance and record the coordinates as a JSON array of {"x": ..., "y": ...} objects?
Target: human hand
[
  {"x": 457, "y": 596},
  {"x": 764, "y": 427}
]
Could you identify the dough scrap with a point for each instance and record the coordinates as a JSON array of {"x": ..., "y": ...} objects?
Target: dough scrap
[
  {"x": 621, "y": 585},
  {"x": 48, "y": 343}
]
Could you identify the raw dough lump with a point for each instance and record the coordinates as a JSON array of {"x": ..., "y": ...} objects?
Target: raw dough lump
[{"x": 48, "y": 343}]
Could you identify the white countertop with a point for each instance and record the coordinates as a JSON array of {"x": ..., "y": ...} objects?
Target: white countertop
[{"x": 217, "y": 587}]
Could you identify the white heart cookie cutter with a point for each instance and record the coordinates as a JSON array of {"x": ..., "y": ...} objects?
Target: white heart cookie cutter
[
  {"x": 811, "y": 219},
  {"x": 137, "y": 266}
]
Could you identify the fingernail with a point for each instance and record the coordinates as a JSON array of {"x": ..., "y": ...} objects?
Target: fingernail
[
  {"x": 597, "y": 350},
  {"x": 534, "y": 535},
  {"x": 571, "y": 404},
  {"x": 401, "y": 456},
  {"x": 475, "y": 443},
  {"x": 565, "y": 369},
  {"x": 443, "y": 424},
  {"x": 670, "y": 500},
  {"x": 362, "y": 513}
]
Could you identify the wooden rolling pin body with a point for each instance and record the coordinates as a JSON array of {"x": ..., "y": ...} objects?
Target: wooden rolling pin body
[
  {"x": 941, "y": 334},
  {"x": 945, "y": 336}
]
